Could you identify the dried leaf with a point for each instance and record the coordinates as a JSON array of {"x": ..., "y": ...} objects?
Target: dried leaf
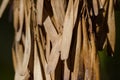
[
  {"x": 96, "y": 68},
  {"x": 42, "y": 38},
  {"x": 95, "y": 7},
  {"x": 54, "y": 56},
  {"x": 93, "y": 48},
  {"x": 58, "y": 11},
  {"x": 21, "y": 20},
  {"x": 111, "y": 27},
  {"x": 50, "y": 29},
  {"x": 14, "y": 59},
  {"x": 3, "y": 6},
  {"x": 16, "y": 14},
  {"x": 86, "y": 51},
  {"x": 76, "y": 5},
  {"x": 103, "y": 2},
  {"x": 19, "y": 76},
  {"x": 26, "y": 56},
  {"x": 19, "y": 55},
  {"x": 66, "y": 75},
  {"x": 47, "y": 48},
  {"x": 85, "y": 36},
  {"x": 67, "y": 31},
  {"x": 42, "y": 56},
  {"x": 40, "y": 4},
  {"x": 77, "y": 53},
  {"x": 37, "y": 66}
]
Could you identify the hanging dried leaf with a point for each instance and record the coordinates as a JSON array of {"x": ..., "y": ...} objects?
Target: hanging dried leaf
[
  {"x": 40, "y": 4},
  {"x": 67, "y": 31},
  {"x": 77, "y": 53},
  {"x": 58, "y": 11},
  {"x": 95, "y": 7},
  {"x": 27, "y": 44},
  {"x": 3, "y": 6},
  {"x": 37, "y": 65},
  {"x": 66, "y": 75},
  {"x": 21, "y": 20},
  {"x": 59, "y": 39},
  {"x": 50, "y": 29},
  {"x": 111, "y": 27},
  {"x": 54, "y": 56}
]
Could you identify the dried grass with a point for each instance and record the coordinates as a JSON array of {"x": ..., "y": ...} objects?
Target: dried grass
[{"x": 59, "y": 39}]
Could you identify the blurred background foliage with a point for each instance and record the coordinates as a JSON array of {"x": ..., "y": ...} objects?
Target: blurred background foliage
[{"x": 109, "y": 66}]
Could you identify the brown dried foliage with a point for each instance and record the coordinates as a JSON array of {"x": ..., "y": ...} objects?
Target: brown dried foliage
[{"x": 59, "y": 39}]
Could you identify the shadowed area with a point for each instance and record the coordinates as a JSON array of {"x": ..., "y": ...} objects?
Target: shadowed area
[
  {"x": 6, "y": 40},
  {"x": 110, "y": 66}
]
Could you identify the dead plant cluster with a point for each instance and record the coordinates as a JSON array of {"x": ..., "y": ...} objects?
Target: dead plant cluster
[{"x": 59, "y": 39}]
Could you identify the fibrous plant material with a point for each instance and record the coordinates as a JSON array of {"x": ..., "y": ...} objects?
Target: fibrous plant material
[{"x": 59, "y": 39}]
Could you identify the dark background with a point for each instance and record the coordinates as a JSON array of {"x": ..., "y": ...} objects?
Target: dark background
[
  {"x": 109, "y": 66},
  {"x": 6, "y": 40}
]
